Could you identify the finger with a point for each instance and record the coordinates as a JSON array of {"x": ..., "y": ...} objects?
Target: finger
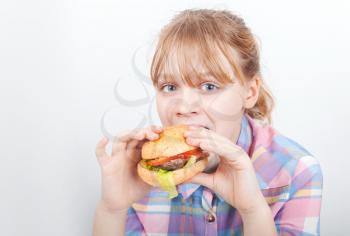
[
  {"x": 118, "y": 146},
  {"x": 134, "y": 146},
  {"x": 144, "y": 135},
  {"x": 101, "y": 154},
  {"x": 202, "y": 179},
  {"x": 147, "y": 133},
  {"x": 203, "y": 143},
  {"x": 201, "y": 133},
  {"x": 126, "y": 135},
  {"x": 134, "y": 150},
  {"x": 222, "y": 149},
  {"x": 101, "y": 148},
  {"x": 124, "y": 140},
  {"x": 156, "y": 128},
  {"x": 151, "y": 133}
]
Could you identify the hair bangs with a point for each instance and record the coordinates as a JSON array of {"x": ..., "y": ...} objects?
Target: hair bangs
[{"x": 191, "y": 54}]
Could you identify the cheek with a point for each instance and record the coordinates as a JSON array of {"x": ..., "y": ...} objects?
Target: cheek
[
  {"x": 163, "y": 109},
  {"x": 226, "y": 107},
  {"x": 160, "y": 106}
]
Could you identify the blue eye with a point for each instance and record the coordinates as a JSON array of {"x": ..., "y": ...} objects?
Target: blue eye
[
  {"x": 172, "y": 87},
  {"x": 209, "y": 87}
]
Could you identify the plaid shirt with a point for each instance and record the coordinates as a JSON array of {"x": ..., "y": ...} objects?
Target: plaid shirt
[{"x": 290, "y": 179}]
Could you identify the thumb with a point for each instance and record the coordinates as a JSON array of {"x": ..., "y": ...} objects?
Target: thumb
[{"x": 202, "y": 179}]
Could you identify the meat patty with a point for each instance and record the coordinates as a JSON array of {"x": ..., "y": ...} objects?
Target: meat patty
[{"x": 173, "y": 164}]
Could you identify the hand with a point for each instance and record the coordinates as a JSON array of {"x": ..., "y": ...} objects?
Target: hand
[
  {"x": 234, "y": 180},
  {"x": 121, "y": 185}
]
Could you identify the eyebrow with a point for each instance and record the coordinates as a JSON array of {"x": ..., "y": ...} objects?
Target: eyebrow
[{"x": 207, "y": 75}]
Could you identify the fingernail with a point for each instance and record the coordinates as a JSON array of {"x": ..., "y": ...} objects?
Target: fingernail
[{"x": 189, "y": 141}]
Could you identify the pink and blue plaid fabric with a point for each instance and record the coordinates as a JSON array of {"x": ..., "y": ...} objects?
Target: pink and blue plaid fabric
[{"x": 289, "y": 177}]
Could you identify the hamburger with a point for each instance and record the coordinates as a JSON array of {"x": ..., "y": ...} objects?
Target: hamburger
[{"x": 169, "y": 160}]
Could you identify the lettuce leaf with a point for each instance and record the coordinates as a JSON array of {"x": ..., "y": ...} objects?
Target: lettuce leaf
[{"x": 166, "y": 181}]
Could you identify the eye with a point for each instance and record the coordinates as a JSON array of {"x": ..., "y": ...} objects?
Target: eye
[
  {"x": 168, "y": 88},
  {"x": 209, "y": 86}
]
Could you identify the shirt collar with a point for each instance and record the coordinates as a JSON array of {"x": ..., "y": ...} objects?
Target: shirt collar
[
  {"x": 245, "y": 137},
  {"x": 244, "y": 141}
]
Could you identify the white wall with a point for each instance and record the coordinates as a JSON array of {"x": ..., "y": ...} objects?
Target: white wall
[{"x": 59, "y": 64}]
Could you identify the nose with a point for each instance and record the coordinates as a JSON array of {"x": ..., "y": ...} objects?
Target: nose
[{"x": 189, "y": 103}]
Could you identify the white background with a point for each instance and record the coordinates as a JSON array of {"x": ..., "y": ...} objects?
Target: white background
[{"x": 60, "y": 62}]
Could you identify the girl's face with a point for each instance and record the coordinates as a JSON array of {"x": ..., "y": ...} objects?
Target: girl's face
[{"x": 208, "y": 102}]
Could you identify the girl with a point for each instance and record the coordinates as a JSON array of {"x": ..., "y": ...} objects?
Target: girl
[{"x": 206, "y": 73}]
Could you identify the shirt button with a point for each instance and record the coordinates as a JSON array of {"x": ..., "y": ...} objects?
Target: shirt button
[{"x": 210, "y": 218}]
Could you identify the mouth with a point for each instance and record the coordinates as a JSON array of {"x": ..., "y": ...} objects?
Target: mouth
[
  {"x": 201, "y": 126},
  {"x": 196, "y": 125}
]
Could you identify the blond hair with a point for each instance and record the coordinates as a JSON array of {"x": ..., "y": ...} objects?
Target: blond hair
[{"x": 211, "y": 33}]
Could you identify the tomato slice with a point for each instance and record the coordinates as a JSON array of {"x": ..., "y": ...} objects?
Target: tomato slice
[{"x": 184, "y": 155}]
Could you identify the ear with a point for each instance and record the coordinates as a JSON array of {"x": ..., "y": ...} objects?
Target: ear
[{"x": 252, "y": 92}]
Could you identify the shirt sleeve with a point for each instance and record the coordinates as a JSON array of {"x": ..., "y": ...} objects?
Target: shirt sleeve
[
  {"x": 133, "y": 225},
  {"x": 300, "y": 215}
]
